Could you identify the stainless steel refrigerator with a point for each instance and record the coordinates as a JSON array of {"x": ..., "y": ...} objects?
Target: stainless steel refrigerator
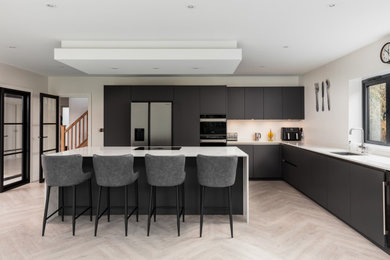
[{"x": 151, "y": 123}]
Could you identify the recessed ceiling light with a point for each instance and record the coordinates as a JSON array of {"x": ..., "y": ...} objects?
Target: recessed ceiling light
[
  {"x": 51, "y": 5},
  {"x": 285, "y": 46},
  {"x": 114, "y": 68},
  {"x": 156, "y": 68},
  {"x": 262, "y": 67},
  {"x": 195, "y": 68},
  {"x": 12, "y": 47},
  {"x": 190, "y": 6},
  {"x": 331, "y": 5}
]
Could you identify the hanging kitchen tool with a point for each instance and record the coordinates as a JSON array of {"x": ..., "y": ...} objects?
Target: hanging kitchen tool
[
  {"x": 317, "y": 89},
  {"x": 327, "y": 93},
  {"x": 322, "y": 93}
]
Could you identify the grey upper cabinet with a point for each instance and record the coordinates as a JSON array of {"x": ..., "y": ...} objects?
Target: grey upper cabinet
[
  {"x": 293, "y": 103},
  {"x": 186, "y": 116},
  {"x": 236, "y": 103},
  {"x": 366, "y": 202},
  {"x": 267, "y": 162},
  {"x": 213, "y": 100},
  {"x": 273, "y": 103},
  {"x": 152, "y": 93},
  {"x": 254, "y": 103},
  {"x": 117, "y": 115},
  {"x": 248, "y": 149},
  {"x": 339, "y": 189}
]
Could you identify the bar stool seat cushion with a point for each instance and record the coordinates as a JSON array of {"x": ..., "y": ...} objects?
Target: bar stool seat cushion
[
  {"x": 64, "y": 170},
  {"x": 216, "y": 171},
  {"x": 114, "y": 171},
  {"x": 165, "y": 171}
]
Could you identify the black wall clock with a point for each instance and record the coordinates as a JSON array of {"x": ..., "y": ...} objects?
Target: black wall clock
[{"x": 385, "y": 53}]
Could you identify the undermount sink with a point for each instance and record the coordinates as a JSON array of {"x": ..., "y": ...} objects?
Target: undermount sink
[{"x": 346, "y": 153}]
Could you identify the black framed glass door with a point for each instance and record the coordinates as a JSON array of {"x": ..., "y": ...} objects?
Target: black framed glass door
[
  {"x": 15, "y": 138},
  {"x": 48, "y": 128}
]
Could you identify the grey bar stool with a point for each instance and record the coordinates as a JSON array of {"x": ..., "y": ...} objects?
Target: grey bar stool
[
  {"x": 115, "y": 171},
  {"x": 165, "y": 171},
  {"x": 64, "y": 171},
  {"x": 216, "y": 172}
]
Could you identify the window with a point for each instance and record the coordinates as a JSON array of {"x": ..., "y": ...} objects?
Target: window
[{"x": 376, "y": 97}]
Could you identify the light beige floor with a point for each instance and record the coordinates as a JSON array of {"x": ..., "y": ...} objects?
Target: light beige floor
[{"x": 284, "y": 224}]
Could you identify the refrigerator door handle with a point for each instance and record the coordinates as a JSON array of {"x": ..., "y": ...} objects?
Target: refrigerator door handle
[{"x": 384, "y": 184}]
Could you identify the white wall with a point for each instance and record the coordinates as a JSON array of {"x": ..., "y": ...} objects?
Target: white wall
[
  {"x": 331, "y": 128},
  {"x": 15, "y": 78},
  {"x": 93, "y": 86}
]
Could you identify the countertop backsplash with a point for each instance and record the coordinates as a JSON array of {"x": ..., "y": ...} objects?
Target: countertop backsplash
[{"x": 246, "y": 129}]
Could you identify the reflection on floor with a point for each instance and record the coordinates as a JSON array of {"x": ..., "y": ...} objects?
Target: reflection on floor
[{"x": 284, "y": 224}]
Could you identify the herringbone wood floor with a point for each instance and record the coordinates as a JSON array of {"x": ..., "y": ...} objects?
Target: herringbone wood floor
[{"x": 284, "y": 224}]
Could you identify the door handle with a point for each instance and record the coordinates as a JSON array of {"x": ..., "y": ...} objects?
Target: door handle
[
  {"x": 384, "y": 207},
  {"x": 42, "y": 137},
  {"x": 6, "y": 136}
]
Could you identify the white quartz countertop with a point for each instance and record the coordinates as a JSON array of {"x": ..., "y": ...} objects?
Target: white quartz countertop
[
  {"x": 188, "y": 151},
  {"x": 376, "y": 161},
  {"x": 232, "y": 143}
]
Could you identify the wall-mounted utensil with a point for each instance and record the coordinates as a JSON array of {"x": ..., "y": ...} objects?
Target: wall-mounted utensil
[
  {"x": 323, "y": 99},
  {"x": 317, "y": 89},
  {"x": 327, "y": 93}
]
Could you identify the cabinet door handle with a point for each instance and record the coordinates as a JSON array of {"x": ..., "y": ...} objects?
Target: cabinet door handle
[{"x": 384, "y": 207}]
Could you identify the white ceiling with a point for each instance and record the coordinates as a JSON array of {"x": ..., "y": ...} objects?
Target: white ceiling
[{"x": 314, "y": 32}]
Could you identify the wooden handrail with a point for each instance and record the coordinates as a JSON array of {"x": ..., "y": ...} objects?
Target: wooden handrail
[{"x": 76, "y": 134}]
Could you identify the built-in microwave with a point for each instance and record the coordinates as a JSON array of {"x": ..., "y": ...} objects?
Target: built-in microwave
[{"x": 213, "y": 130}]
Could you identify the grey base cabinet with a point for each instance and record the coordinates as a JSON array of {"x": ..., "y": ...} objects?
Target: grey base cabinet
[
  {"x": 266, "y": 162},
  {"x": 367, "y": 202},
  {"x": 352, "y": 192}
]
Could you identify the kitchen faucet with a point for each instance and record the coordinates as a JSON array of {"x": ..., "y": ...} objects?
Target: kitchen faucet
[{"x": 362, "y": 147}]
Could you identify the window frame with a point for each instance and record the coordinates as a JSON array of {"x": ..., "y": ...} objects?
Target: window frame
[{"x": 366, "y": 84}]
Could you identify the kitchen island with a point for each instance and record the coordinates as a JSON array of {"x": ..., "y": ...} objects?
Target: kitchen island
[{"x": 216, "y": 199}]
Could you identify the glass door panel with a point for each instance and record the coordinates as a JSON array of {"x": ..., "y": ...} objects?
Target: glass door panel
[
  {"x": 49, "y": 127},
  {"x": 15, "y": 127}
]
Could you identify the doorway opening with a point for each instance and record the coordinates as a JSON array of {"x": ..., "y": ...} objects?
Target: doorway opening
[{"x": 73, "y": 122}]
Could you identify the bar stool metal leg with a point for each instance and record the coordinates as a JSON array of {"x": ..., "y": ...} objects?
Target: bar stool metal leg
[
  {"x": 150, "y": 208},
  {"x": 202, "y": 195},
  {"x": 90, "y": 199},
  {"x": 230, "y": 210},
  {"x": 74, "y": 210},
  {"x": 183, "y": 201},
  {"x": 155, "y": 203},
  {"x": 98, "y": 209},
  {"x": 108, "y": 204},
  {"x": 126, "y": 209},
  {"x": 178, "y": 210},
  {"x": 62, "y": 203},
  {"x": 136, "y": 198},
  {"x": 46, "y": 208}
]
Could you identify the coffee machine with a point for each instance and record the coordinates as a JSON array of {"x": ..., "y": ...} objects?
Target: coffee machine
[{"x": 292, "y": 133}]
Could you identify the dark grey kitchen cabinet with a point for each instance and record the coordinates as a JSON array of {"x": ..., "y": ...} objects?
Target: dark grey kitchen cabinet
[
  {"x": 367, "y": 202},
  {"x": 339, "y": 189},
  {"x": 213, "y": 100},
  {"x": 152, "y": 93},
  {"x": 186, "y": 116},
  {"x": 290, "y": 166},
  {"x": 117, "y": 115},
  {"x": 273, "y": 103},
  {"x": 267, "y": 162},
  {"x": 293, "y": 103},
  {"x": 236, "y": 103},
  {"x": 248, "y": 149},
  {"x": 254, "y": 103}
]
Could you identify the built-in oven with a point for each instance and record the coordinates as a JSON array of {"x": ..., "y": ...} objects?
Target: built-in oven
[{"x": 213, "y": 130}]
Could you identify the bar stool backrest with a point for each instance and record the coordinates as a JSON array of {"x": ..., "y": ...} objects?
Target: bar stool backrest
[
  {"x": 63, "y": 170},
  {"x": 216, "y": 171},
  {"x": 165, "y": 170},
  {"x": 114, "y": 171}
]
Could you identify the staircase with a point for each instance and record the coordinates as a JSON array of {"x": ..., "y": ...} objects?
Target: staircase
[{"x": 76, "y": 135}]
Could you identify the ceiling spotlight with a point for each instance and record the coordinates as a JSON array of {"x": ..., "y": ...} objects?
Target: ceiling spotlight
[
  {"x": 190, "y": 6},
  {"x": 195, "y": 68},
  {"x": 331, "y": 5},
  {"x": 156, "y": 68},
  {"x": 285, "y": 46},
  {"x": 51, "y": 5},
  {"x": 114, "y": 68},
  {"x": 12, "y": 47},
  {"x": 261, "y": 67}
]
